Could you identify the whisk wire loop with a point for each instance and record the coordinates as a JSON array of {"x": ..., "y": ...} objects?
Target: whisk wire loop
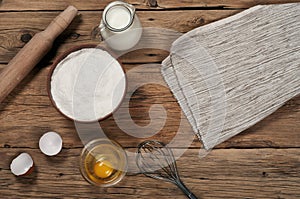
[{"x": 157, "y": 161}]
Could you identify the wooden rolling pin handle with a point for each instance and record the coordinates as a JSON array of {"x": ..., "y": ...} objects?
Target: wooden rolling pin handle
[
  {"x": 61, "y": 22},
  {"x": 33, "y": 52}
]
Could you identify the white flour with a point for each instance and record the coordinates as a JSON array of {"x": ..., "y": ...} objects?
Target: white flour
[{"x": 88, "y": 84}]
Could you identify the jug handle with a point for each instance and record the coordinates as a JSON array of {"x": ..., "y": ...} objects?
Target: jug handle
[{"x": 96, "y": 32}]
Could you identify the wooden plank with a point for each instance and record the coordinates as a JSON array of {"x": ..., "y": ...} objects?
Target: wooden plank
[
  {"x": 218, "y": 3},
  {"x": 14, "y": 5},
  {"x": 22, "y": 117},
  {"x": 230, "y": 173},
  {"x": 225, "y": 173},
  {"x": 17, "y": 28}
]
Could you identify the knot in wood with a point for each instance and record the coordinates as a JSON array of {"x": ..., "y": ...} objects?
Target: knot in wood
[
  {"x": 74, "y": 35},
  {"x": 152, "y": 3},
  {"x": 201, "y": 21},
  {"x": 26, "y": 37}
]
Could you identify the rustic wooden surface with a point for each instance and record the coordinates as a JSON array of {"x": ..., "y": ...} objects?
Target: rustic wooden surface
[{"x": 262, "y": 162}]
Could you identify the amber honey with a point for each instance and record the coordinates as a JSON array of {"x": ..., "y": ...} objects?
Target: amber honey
[{"x": 103, "y": 162}]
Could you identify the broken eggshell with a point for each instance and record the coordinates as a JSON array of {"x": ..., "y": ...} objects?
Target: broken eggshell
[
  {"x": 22, "y": 165},
  {"x": 50, "y": 143}
]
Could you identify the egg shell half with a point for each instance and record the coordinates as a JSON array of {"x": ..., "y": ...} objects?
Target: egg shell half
[
  {"x": 22, "y": 164},
  {"x": 50, "y": 143}
]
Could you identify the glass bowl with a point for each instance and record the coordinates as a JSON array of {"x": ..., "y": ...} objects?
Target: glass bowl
[{"x": 103, "y": 162}]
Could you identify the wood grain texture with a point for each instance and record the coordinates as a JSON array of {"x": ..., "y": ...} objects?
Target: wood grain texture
[
  {"x": 261, "y": 162},
  {"x": 81, "y": 30},
  {"x": 229, "y": 75},
  {"x": 230, "y": 173},
  {"x": 23, "y": 117},
  {"x": 218, "y": 3},
  {"x": 32, "y": 53},
  {"x": 14, "y": 5}
]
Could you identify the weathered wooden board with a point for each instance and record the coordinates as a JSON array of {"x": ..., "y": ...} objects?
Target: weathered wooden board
[
  {"x": 13, "y": 35},
  {"x": 225, "y": 173},
  {"x": 27, "y": 113},
  {"x": 9, "y": 5},
  {"x": 229, "y": 173},
  {"x": 218, "y": 3}
]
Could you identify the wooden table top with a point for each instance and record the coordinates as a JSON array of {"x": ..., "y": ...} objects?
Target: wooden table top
[{"x": 262, "y": 162}]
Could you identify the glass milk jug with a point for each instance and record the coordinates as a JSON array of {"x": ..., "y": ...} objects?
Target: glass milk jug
[{"x": 120, "y": 27}]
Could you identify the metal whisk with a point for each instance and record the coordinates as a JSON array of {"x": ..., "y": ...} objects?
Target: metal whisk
[{"x": 157, "y": 161}]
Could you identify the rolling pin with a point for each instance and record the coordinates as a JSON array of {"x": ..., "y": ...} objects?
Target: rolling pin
[{"x": 33, "y": 52}]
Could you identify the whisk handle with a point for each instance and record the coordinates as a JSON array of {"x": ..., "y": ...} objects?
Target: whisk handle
[{"x": 185, "y": 190}]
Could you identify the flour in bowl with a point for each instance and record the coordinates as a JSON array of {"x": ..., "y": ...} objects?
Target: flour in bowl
[{"x": 88, "y": 85}]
